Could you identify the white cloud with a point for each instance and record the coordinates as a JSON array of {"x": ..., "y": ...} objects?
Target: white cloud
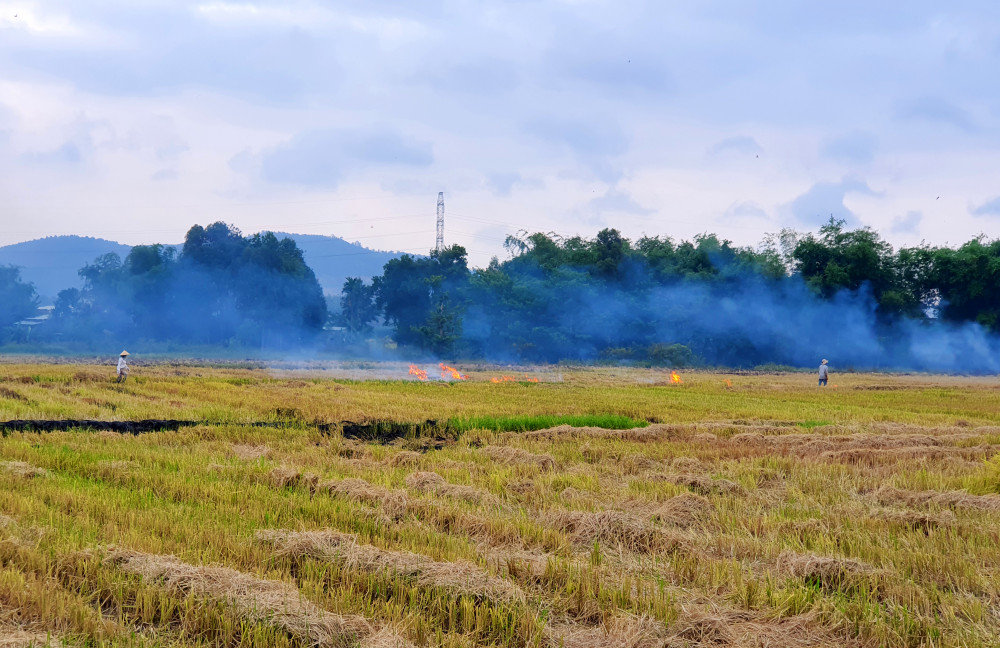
[
  {"x": 908, "y": 223},
  {"x": 740, "y": 144},
  {"x": 648, "y": 116},
  {"x": 32, "y": 18},
  {"x": 825, "y": 200},
  {"x": 616, "y": 201},
  {"x": 988, "y": 208}
]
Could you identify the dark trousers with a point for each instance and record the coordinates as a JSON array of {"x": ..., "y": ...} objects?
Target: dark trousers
[{"x": 822, "y": 382}]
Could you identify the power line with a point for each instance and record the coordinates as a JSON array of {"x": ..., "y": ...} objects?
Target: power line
[
  {"x": 191, "y": 205},
  {"x": 343, "y": 254},
  {"x": 255, "y": 226}
]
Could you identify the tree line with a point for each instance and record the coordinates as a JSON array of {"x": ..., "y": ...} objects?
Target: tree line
[
  {"x": 660, "y": 301},
  {"x": 220, "y": 288},
  {"x": 653, "y": 300}
]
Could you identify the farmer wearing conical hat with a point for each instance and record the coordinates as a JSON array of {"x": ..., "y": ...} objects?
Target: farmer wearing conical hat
[
  {"x": 122, "y": 367},
  {"x": 824, "y": 371}
]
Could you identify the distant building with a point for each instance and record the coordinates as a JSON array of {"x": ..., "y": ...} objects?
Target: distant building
[{"x": 24, "y": 327}]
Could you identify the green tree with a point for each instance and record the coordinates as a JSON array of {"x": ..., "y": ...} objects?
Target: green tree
[
  {"x": 442, "y": 327},
  {"x": 968, "y": 282},
  {"x": 148, "y": 288},
  {"x": 17, "y": 298},
  {"x": 840, "y": 259},
  {"x": 274, "y": 287},
  {"x": 357, "y": 305},
  {"x": 423, "y": 298},
  {"x": 610, "y": 250},
  {"x": 216, "y": 246}
]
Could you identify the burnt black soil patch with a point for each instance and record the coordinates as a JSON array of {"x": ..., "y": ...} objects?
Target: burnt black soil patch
[
  {"x": 426, "y": 435},
  {"x": 123, "y": 427}
]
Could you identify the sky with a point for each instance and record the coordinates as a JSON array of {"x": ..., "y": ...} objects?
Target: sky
[{"x": 133, "y": 120}]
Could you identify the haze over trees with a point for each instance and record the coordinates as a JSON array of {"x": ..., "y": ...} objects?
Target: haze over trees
[
  {"x": 835, "y": 292},
  {"x": 223, "y": 288},
  {"x": 17, "y": 299},
  {"x": 53, "y": 263}
]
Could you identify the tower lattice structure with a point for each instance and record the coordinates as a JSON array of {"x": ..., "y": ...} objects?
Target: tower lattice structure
[{"x": 439, "y": 241}]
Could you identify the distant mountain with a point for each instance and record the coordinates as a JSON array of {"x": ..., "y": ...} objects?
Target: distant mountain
[
  {"x": 334, "y": 260},
  {"x": 52, "y": 263}
]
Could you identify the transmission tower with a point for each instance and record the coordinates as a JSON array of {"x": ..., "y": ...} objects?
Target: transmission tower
[{"x": 439, "y": 241}]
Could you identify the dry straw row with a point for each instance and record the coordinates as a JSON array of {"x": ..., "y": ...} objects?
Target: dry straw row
[
  {"x": 460, "y": 578},
  {"x": 255, "y": 600},
  {"x": 22, "y": 469}
]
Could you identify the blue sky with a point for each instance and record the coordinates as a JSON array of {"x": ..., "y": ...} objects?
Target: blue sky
[{"x": 134, "y": 120}]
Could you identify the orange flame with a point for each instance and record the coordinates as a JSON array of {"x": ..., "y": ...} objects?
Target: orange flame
[
  {"x": 675, "y": 378},
  {"x": 729, "y": 383},
  {"x": 531, "y": 380},
  {"x": 418, "y": 372},
  {"x": 451, "y": 372},
  {"x": 503, "y": 379}
]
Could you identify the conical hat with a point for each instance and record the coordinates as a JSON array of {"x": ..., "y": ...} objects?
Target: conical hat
[{"x": 124, "y": 353}]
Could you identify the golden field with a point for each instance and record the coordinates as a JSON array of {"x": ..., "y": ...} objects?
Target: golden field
[{"x": 748, "y": 510}]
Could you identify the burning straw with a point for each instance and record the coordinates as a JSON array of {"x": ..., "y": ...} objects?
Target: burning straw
[
  {"x": 451, "y": 372},
  {"x": 255, "y": 600},
  {"x": 460, "y": 578}
]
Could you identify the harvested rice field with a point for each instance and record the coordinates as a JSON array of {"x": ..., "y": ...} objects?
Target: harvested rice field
[{"x": 360, "y": 506}]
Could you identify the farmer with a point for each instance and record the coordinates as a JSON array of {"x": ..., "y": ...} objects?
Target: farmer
[
  {"x": 122, "y": 367},
  {"x": 824, "y": 371}
]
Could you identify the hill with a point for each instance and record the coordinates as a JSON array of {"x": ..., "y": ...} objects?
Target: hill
[
  {"x": 333, "y": 259},
  {"x": 52, "y": 263}
]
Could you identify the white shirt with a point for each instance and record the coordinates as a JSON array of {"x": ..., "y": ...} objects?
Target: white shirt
[{"x": 121, "y": 364}]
